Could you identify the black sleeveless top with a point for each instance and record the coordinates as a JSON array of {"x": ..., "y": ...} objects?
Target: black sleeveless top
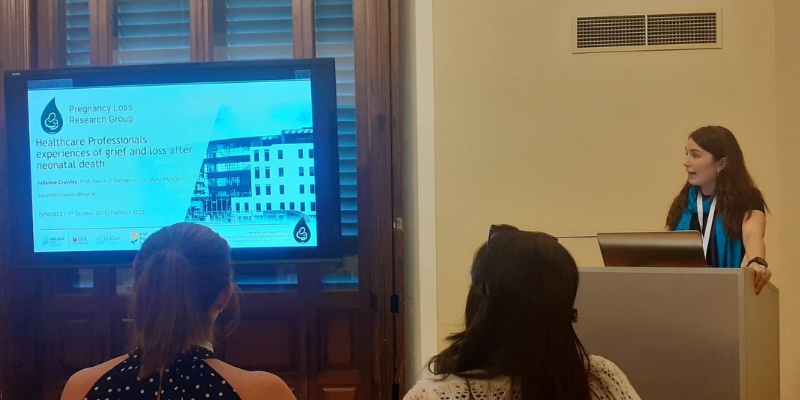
[
  {"x": 712, "y": 259},
  {"x": 188, "y": 378}
]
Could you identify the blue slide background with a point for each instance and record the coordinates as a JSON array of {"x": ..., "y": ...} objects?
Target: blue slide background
[{"x": 116, "y": 205}]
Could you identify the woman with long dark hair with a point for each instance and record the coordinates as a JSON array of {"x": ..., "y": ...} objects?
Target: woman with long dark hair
[
  {"x": 519, "y": 341},
  {"x": 720, "y": 200},
  {"x": 182, "y": 281}
]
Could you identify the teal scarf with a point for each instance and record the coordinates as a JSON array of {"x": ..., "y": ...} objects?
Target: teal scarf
[{"x": 730, "y": 252}]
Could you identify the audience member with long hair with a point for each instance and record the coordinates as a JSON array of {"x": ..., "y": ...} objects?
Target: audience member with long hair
[
  {"x": 182, "y": 281},
  {"x": 720, "y": 199},
  {"x": 519, "y": 342}
]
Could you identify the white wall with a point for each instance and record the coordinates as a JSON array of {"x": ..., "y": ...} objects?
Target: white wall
[
  {"x": 787, "y": 13},
  {"x": 530, "y": 134},
  {"x": 419, "y": 187}
]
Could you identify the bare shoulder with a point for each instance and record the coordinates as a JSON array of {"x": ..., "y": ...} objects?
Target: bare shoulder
[
  {"x": 81, "y": 382},
  {"x": 252, "y": 385}
]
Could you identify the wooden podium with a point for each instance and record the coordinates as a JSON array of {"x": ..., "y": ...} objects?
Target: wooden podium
[{"x": 683, "y": 333}]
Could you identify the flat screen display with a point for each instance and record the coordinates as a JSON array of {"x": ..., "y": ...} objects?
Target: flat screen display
[{"x": 103, "y": 157}]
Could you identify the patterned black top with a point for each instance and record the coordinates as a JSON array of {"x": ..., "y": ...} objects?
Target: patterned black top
[{"x": 188, "y": 378}]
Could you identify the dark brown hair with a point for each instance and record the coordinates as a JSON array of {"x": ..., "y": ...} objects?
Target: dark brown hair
[
  {"x": 735, "y": 190},
  {"x": 519, "y": 320},
  {"x": 178, "y": 274}
]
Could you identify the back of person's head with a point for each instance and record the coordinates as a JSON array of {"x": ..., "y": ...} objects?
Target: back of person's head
[
  {"x": 179, "y": 273},
  {"x": 519, "y": 316}
]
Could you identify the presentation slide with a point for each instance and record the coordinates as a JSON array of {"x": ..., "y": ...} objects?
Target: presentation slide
[{"x": 111, "y": 165}]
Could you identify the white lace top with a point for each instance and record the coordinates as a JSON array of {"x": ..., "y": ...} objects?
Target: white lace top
[{"x": 606, "y": 382}]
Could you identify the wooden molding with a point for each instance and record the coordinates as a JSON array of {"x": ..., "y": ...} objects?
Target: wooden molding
[
  {"x": 377, "y": 237},
  {"x": 303, "y": 25},
  {"x": 309, "y": 30},
  {"x": 51, "y": 34},
  {"x": 102, "y": 37},
  {"x": 202, "y": 25},
  {"x": 16, "y": 26},
  {"x": 396, "y": 128}
]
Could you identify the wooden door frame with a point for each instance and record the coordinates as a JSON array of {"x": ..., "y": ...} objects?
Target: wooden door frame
[
  {"x": 16, "y": 52},
  {"x": 380, "y": 186}
]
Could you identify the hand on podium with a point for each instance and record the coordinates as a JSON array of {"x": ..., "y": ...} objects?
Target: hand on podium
[{"x": 761, "y": 275}]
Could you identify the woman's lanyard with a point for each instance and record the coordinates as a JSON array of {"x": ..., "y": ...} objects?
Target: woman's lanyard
[{"x": 707, "y": 230}]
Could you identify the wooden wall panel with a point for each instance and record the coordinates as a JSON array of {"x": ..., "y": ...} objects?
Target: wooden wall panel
[
  {"x": 337, "y": 334},
  {"x": 121, "y": 330},
  {"x": 22, "y": 361},
  {"x": 267, "y": 342},
  {"x": 75, "y": 348},
  {"x": 344, "y": 393}
]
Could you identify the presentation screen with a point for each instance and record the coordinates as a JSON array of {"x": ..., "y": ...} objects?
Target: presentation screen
[{"x": 102, "y": 157}]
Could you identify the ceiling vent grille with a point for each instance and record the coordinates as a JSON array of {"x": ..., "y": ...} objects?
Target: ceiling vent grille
[{"x": 648, "y": 32}]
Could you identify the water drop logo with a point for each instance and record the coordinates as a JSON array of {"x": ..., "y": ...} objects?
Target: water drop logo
[
  {"x": 301, "y": 232},
  {"x": 52, "y": 122}
]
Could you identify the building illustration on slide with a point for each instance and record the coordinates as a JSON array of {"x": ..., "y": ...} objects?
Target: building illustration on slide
[{"x": 259, "y": 179}]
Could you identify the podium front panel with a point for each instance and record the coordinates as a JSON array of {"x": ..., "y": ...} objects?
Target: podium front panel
[{"x": 675, "y": 332}]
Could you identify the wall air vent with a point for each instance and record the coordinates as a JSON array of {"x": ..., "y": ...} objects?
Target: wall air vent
[
  {"x": 672, "y": 31},
  {"x": 629, "y": 30}
]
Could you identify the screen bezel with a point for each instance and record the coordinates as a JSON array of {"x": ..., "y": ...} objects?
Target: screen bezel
[{"x": 326, "y": 161}]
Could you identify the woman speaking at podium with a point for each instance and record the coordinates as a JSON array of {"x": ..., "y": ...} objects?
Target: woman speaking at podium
[{"x": 721, "y": 201}]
